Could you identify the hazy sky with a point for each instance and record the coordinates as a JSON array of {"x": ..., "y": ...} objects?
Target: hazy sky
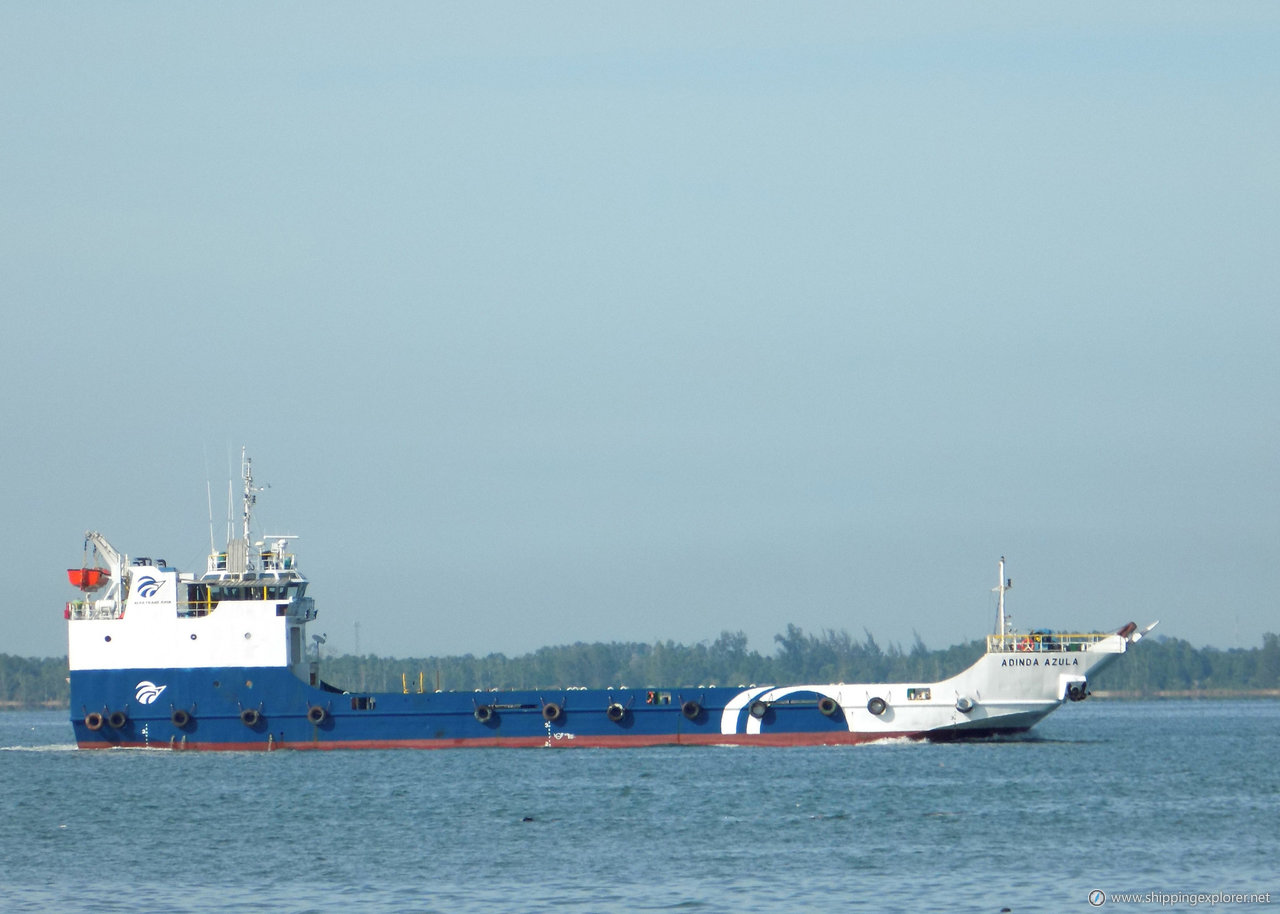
[{"x": 555, "y": 323}]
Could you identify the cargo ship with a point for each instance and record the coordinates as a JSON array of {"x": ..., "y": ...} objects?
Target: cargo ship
[{"x": 167, "y": 659}]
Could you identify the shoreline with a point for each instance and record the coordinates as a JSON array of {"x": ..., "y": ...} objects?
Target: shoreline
[{"x": 1136, "y": 694}]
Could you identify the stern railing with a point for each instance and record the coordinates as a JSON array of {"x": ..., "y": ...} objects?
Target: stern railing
[
  {"x": 80, "y": 610},
  {"x": 1042, "y": 641}
]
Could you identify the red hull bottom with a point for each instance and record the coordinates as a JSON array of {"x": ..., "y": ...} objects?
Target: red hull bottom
[{"x": 564, "y": 742}]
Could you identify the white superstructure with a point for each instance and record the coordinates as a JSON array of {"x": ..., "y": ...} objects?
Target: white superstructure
[{"x": 248, "y": 609}]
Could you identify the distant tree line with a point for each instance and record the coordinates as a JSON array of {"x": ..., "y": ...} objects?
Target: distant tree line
[
  {"x": 1171, "y": 664},
  {"x": 1155, "y": 665},
  {"x": 829, "y": 657},
  {"x": 31, "y": 682}
]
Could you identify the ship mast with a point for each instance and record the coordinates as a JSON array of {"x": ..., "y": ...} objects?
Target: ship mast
[
  {"x": 1001, "y": 586},
  {"x": 238, "y": 560},
  {"x": 246, "y": 472},
  {"x": 249, "y": 499}
]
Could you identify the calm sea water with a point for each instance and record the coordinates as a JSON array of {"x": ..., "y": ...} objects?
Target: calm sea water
[{"x": 1118, "y": 796}]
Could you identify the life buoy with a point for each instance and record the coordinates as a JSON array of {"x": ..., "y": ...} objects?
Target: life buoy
[
  {"x": 180, "y": 718},
  {"x": 828, "y": 705},
  {"x": 250, "y": 717},
  {"x": 964, "y": 704},
  {"x": 483, "y": 713},
  {"x": 316, "y": 714},
  {"x": 759, "y": 709},
  {"x": 691, "y": 709},
  {"x": 877, "y": 706},
  {"x": 551, "y": 712},
  {"x": 650, "y": 698},
  {"x": 1024, "y": 644},
  {"x": 94, "y": 721},
  {"x": 615, "y": 712},
  {"x": 117, "y": 719}
]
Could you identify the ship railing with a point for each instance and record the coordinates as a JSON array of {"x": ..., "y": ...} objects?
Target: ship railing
[
  {"x": 277, "y": 561},
  {"x": 305, "y": 607},
  {"x": 188, "y": 609},
  {"x": 1043, "y": 641},
  {"x": 81, "y": 610}
]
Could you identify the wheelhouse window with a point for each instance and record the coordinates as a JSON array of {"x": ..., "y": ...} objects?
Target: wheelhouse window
[{"x": 203, "y": 597}]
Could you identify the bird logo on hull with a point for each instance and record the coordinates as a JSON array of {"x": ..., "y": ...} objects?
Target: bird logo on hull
[
  {"x": 148, "y": 587},
  {"x": 148, "y": 692}
]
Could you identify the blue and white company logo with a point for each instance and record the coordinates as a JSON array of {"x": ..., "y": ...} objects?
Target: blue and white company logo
[
  {"x": 148, "y": 587},
  {"x": 148, "y": 692}
]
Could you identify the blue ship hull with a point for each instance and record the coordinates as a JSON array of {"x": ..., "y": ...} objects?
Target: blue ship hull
[{"x": 269, "y": 708}]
